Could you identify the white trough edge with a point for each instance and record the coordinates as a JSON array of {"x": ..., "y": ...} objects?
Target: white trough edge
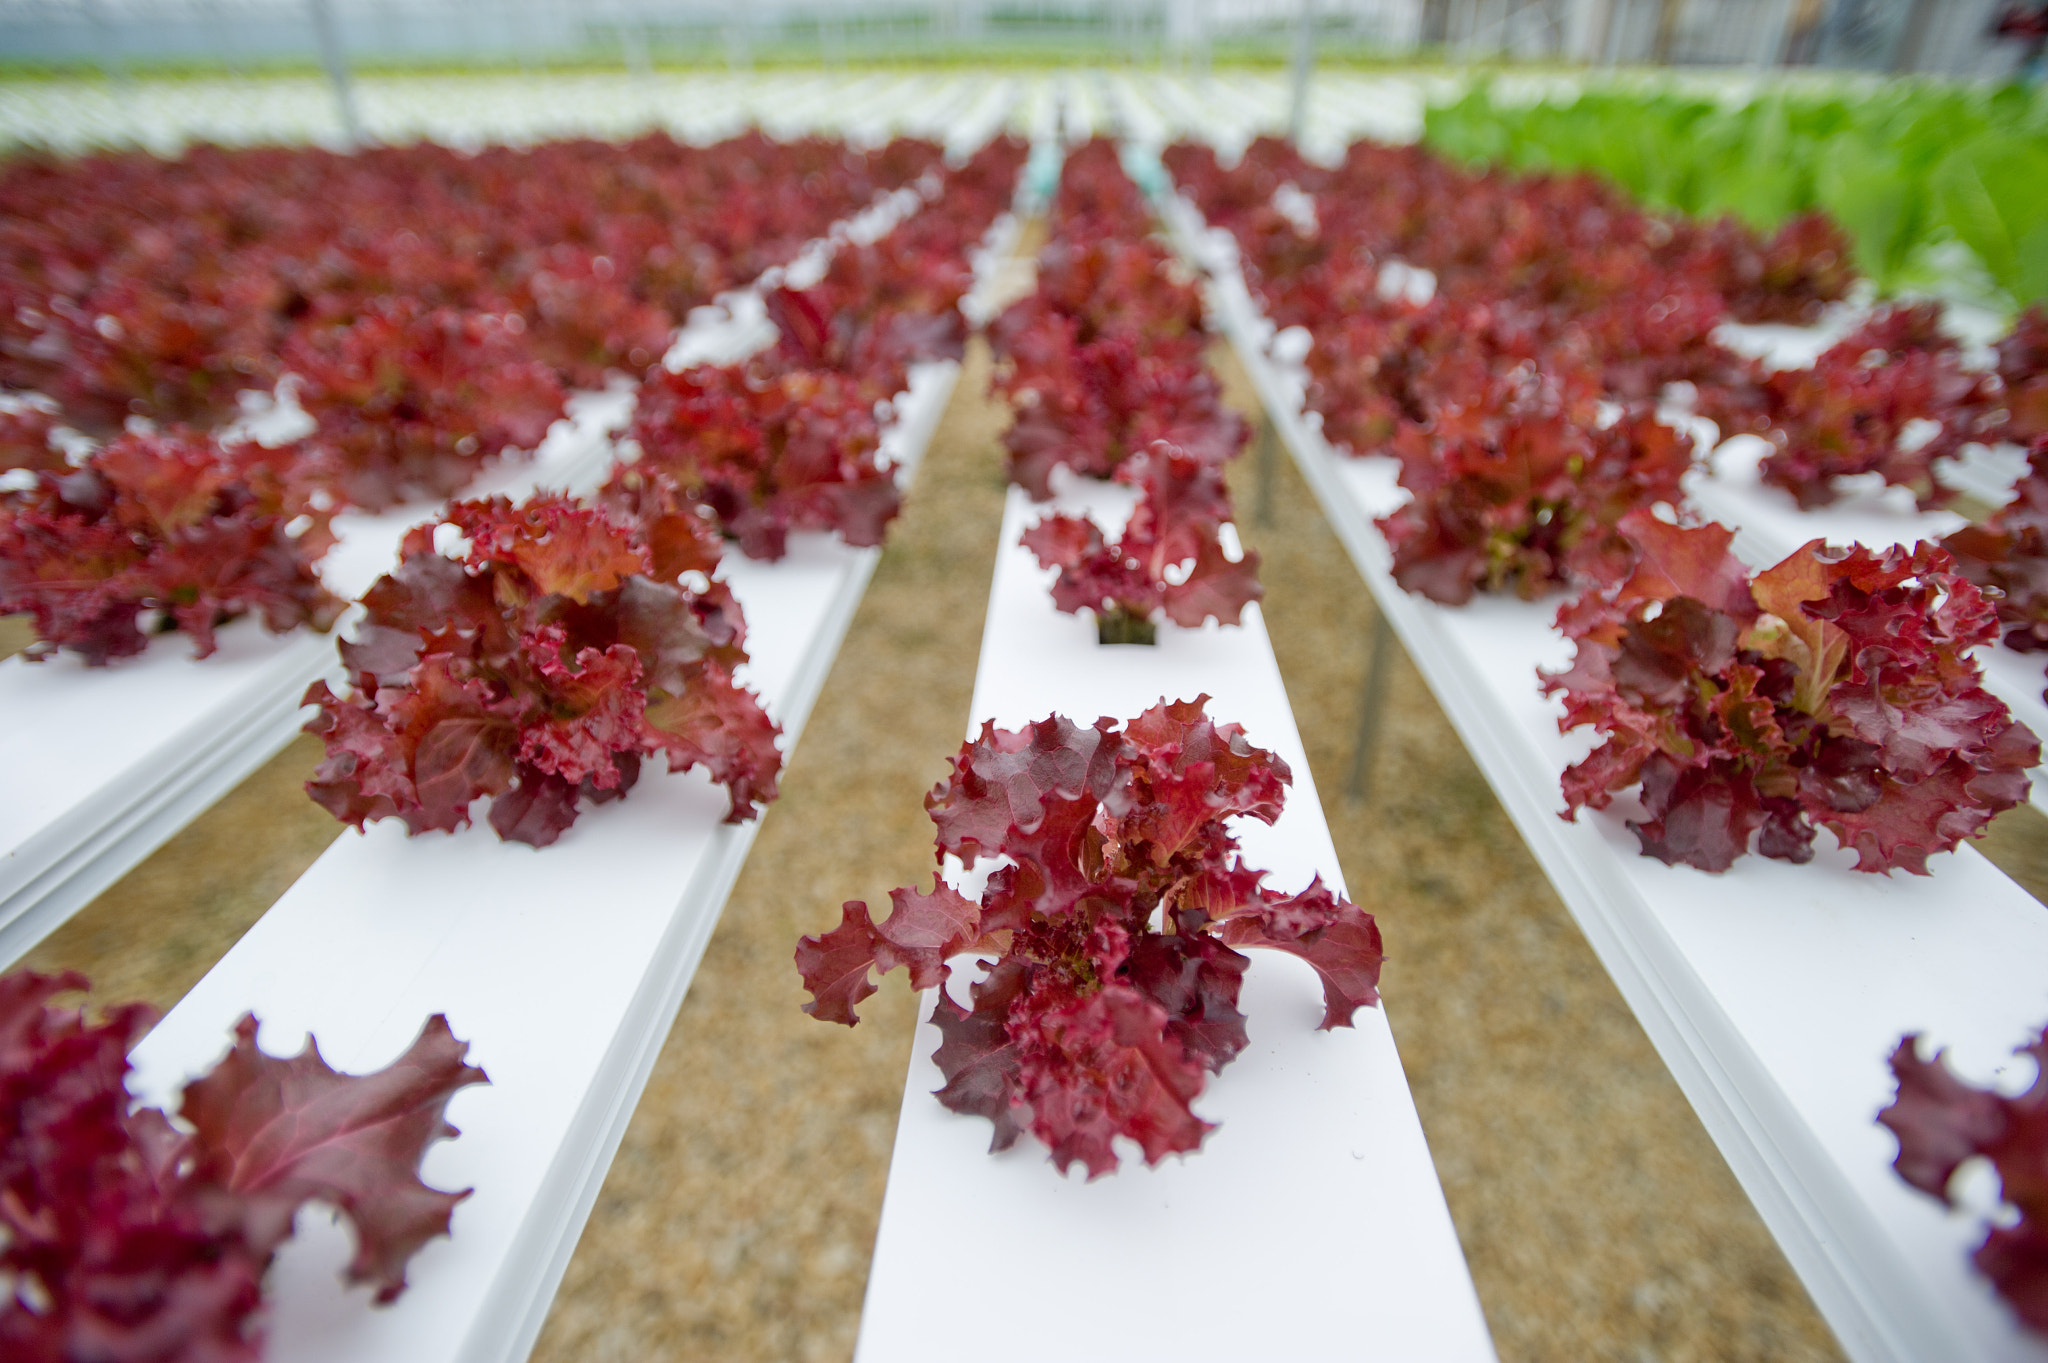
[
  {"x": 563, "y": 967},
  {"x": 1774, "y": 993},
  {"x": 1317, "y": 1187}
]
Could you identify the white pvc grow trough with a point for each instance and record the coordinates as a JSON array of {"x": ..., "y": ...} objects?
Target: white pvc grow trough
[
  {"x": 1317, "y": 1187},
  {"x": 563, "y": 967},
  {"x": 1773, "y": 992}
]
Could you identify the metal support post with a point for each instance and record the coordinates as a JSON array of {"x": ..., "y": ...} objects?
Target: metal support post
[
  {"x": 113, "y": 63},
  {"x": 633, "y": 47},
  {"x": 1304, "y": 57},
  {"x": 1906, "y": 55},
  {"x": 1268, "y": 440},
  {"x": 1372, "y": 705},
  {"x": 336, "y": 61},
  {"x": 1667, "y": 31}
]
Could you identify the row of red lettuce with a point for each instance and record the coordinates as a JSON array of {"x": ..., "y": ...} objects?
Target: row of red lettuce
[
  {"x": 530, "y": 653},
  {"x": 1111, "y": 928},
  {"x": 1521, "y": 398},
  {"x": 535, "y": 654},
  {"x": 425, "y": 310}
]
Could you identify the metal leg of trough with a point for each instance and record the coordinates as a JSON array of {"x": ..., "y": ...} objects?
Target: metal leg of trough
[
  {"x": 1269, "y": 441},
  {"x": 1372, "y": 706}
]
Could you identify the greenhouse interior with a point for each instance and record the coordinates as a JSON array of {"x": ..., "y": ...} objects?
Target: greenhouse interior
[{"x": 1417, "y": 629}]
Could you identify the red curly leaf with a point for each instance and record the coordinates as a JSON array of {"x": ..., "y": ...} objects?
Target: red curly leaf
[
  {"x": 923, "y": 928},
  {"x": 1101, "y": 1068},
  {"x": 277, "y": 1133},
  {"x": 1340, "y": 942},
  {"x": 978, "y": 1057},
  {"x": 138, "y": 1243},
  {"x": 1941, "y": 1122},
  {"x": 538, "y": 669},
  {"x": 1115, "y": 991},
  {"x": 835, "y": 966}
]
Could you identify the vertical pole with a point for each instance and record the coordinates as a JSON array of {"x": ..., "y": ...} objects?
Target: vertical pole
[
  {"x": 633, "y": 44},
  {"x": 106, "y": 39},
  {"x": 1267, "y": 459},
  {"x": 114, "y": 68},
  {"x": 1436, "y": 24},
  {"x": 1667, "y": 31},
  {"x": 1619, "y": 32},
  {"x": 1770, "y": 36},
  {"x": 533, "y": 39},
  {"x": 1913, "y": 37},
  {"x": 1304, "y": 55},
  {"x": 1597, "y": 50},
  {"x": 1372, "y": 705},
  {"x": 336, "y": 62}
]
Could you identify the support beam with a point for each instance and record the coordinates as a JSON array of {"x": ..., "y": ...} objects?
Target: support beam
[
  {"x": 335, "y": 59},
  {"x": 1372, "y": 709},
  {"x": 1913, "y": 37},
  {"x": 1304, "y": 58},
  {"x": 1667, "y": 31},
  {"x": 1268, "y": 459}
]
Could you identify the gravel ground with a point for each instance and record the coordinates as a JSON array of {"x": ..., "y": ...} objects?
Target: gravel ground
[
  {"x": 17, "y": 632},
  {"x": 738, "y": 1219}
]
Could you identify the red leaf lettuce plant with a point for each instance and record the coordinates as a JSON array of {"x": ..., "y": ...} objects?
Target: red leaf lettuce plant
[
  {"x": 1941, "y": 1121},
  {"x": 2008, "y": 555},
  {"x": 1090, "y": 404},
  {"x": 1530, "y": 508},
  {"x": 1170, "y": 557},
  {"x": 2023, "y": 374},
  {"x": 1834, "y": 688},
  {"x": 538, "y": 668},
  {"x": 126, "y": 1239},
  {"x": 411, "y": 402},
  {"x": 173, "y": 523},
  {"x": 1848, "y": 412},
  {"x": 1113, "y": 921},
  {"x": 765, "y": 453},
  {"x": 880, "y": 308}
]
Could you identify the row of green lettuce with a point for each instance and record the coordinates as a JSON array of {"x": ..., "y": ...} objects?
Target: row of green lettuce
[{"x": 1907, "y": 169}]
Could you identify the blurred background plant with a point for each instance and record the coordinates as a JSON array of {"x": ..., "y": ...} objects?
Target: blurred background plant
[{"x": 1910, "y": 170}]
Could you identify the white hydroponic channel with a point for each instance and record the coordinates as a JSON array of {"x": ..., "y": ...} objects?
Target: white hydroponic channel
[{"x": 1316, "y": 1190}]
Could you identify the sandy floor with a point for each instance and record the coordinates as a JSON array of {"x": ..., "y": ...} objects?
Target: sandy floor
[
  {"x": 737, "y": 1222},
  {"x": 17, "y": 632}
]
